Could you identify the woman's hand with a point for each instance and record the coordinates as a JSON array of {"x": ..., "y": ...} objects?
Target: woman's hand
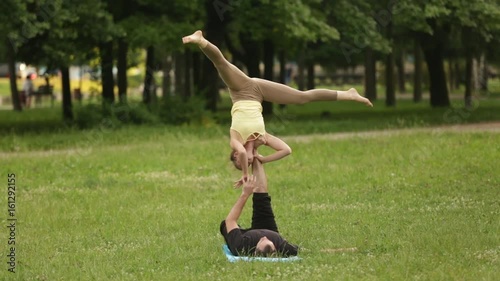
[{"x": 259, "y": 157}]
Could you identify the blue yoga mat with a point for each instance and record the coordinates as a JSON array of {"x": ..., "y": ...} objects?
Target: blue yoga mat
[{"x": 233, "y": 258}]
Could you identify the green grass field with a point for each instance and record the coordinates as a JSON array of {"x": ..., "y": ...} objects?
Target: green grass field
[
  {"x": 145, "y": 203},
  {"x": 415, "y": 206}
]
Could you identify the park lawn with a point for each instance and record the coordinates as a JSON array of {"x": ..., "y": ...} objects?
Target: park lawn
[
  {"x": 43, "y": 128},
  {"x": 145, "y": 204},
  {"x": 4, "y": 87}
]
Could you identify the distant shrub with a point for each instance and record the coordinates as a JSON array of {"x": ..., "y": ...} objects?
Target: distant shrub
[
  {"x": 176, "y": 111},
  {"x": 88, "y": 116},
  {"x": 134, "y": 113},
  {"x": 172, "y": 110}
]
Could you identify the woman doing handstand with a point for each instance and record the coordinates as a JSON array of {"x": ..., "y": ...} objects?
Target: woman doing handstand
[{"x": 247, "y": 95}]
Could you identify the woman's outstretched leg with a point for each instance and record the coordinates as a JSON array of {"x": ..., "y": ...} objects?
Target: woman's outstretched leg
[
  {"x": 233, "y": 77},
  {"x": 282, "y": 94}
]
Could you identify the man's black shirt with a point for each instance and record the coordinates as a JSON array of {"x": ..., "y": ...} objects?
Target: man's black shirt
[{"x": 243, "y": 242}]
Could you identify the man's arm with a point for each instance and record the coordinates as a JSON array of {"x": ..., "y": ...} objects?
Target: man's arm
[
  {"x": 234, "y": 214},
  {"x": 289, "y": 249}
]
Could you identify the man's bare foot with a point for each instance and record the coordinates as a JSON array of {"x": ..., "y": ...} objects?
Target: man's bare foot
[
  {"x": 195, "y": 38},
  {"x": 353, "y": 95}
]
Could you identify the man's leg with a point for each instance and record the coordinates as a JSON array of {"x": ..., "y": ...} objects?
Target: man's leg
[
  {"x": 263, "y": 216},
  {"x": 233, "y": 77}
]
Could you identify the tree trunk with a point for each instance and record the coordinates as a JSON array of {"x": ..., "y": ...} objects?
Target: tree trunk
[
  {"x": 417, "y": 75},
  {"x": 283, "y": 72},
  {"x": 66, "y": 94},
  {"x": 188, "y": 86},
  {"x": 435, "y": 66},
  {"x": 267, "y": 107},
  {"x": 167, "y": 79},
  {"x": 108, "y": 83},
  {"x": 468, "y": 79},
  {"x": 475, "y": 73},
  {"x": 196, "y": 59},
  {"x": 122, "y": 70},
  {"x": 480, "y": 73},
  {"x": 483, "y": 79},
  {"x": 390, "y": 92},
  {"x": 401, "y": 72},
  {"x": 147, "y": 94},
  {"x": 300, "y": 74},
  {"x": 370, "y": 75},
  {"x": 282, "y": 62},
  {"x": 11, "y": 60},
  {"x": 310, "y": 76},
  {"x": 451, "y": 75},
  {"x": 433, "y": 46},
  {"x": 458, "y": 75},
  {"x": 214, "y": 32},
  {"x": 252, "y": 50},
  {"x": 179, "y": 74}
]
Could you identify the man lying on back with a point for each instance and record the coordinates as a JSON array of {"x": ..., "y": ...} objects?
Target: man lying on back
[{"x": 263, "y": 238}]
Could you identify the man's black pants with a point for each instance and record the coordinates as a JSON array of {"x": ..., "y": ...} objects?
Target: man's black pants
[{"x": 262, "y": 215}]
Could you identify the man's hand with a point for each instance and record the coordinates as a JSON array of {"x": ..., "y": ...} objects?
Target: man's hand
[
  {"x": 240, "y": 182},
  {"x": 249, "y": 185}
]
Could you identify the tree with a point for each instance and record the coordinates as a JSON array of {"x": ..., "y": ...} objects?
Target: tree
[
  {"x": 417, "y": 72},
  {"x": 158, "y": 28},
  {"x": 360, "y": 38},
  {"x": 390, "y": 92},
  {"x": 214, "y": 32},
  {"x": 62, "y": 24},
  {"x": 122, "y": 10},
  {"x": 261, "y": 27},
  {"x": 477, "y": 30},
  {"x": 432, "y": 22},
  {"x": 19, "y": 26}
]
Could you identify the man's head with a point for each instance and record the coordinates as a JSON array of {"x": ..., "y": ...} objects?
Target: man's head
[{"x": 265, "y": 247}]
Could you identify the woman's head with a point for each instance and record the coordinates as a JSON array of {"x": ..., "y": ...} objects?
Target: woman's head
[
  {"x": 236, "y": 161},
  {"x": 233, "y": 157}
]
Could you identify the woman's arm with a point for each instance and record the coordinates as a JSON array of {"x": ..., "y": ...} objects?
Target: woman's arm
[
  {"x": 241, "y": 157},
  {"x": 282, "y": 149}
]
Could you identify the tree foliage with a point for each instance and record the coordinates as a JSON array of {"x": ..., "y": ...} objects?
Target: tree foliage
[{"x": 59, "y": 33}]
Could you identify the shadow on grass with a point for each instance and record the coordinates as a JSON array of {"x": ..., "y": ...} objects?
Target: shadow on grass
[{"x": 38, "y": 120}]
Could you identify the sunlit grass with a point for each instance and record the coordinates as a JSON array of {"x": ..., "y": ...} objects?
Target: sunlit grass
[
  {"x": 86, "y": 85},
  {"x": 145, "y": 204}
]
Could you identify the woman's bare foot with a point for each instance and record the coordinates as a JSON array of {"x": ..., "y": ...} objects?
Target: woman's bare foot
[
  {"x": 195, "y": 38},
  {"x": 353, "y": 95}
]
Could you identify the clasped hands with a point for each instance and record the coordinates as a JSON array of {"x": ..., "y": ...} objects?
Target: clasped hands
[{"x": 245, "y": 178}]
